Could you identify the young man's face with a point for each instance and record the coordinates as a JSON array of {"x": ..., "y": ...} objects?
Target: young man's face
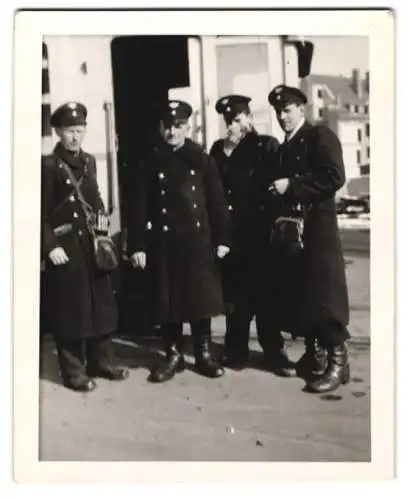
[
  {"x": 175, "y": 132},
  {"x": 238, "y": 126},
  {"x": 290, "y": 116},
  {"x": 72, "y": 137}
]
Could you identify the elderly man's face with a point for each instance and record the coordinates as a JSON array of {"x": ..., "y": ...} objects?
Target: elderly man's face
[
  {"x": 290, "y": 116},
  {"x": 72, "y": 137},
  {"x": 174, "y": 132}
]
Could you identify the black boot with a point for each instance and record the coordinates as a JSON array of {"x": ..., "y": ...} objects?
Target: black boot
[
  {"x": 204, "y": 362},
  {"x": 279, "y": 363},
  {"x": 81, "y": 384},
  {"x": 110, "y": 372},
  {"x": 99, "y": 352},
  {"x": 174, "y": 361},
  {"x": 276, "y": 357},
  {"x": 312, "y": 363},
  {"x": 336, "y": 373},
  {"x": 233, "y": 361}
]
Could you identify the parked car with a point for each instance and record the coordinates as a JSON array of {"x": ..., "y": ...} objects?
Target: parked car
[{"x": 353, "y": 205}]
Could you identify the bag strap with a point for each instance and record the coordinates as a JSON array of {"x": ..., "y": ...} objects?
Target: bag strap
[{"x": 87, "y": 208}]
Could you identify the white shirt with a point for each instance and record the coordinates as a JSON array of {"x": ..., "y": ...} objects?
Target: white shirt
[{"x": 289, "y": 136}]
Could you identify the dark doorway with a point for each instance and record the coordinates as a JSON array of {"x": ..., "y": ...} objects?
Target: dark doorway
[{"x": 144, "y": 69}]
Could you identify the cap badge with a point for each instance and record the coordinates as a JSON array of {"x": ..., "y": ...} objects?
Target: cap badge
[
  {"x": 225, "y": 101},
  {"x": 174, "y": 105},
  {"x": 72, "y": 105}
]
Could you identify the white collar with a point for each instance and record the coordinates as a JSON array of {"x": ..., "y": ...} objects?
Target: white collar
[{"x": 293, "y": 132}]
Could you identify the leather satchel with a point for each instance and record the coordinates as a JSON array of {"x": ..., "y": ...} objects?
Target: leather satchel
[
  {"x": 288, "y": 231},
  {"x": 105, "y": 252}
]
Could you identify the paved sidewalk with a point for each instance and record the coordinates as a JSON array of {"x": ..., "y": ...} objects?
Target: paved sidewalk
[{"x": 244, "y": 416}]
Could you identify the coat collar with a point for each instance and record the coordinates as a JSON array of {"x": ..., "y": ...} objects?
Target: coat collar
[
  {"x": 299, "y": 134},
  {"x": 79, "y": 160}
]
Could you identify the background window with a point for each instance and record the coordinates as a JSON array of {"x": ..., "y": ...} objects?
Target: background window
[
  {"x": 365, "y": 169},
  {"x": 367, "y": 129},
  {"x": 321, "y": 112},
  {"x": 359, "y": 135},
  {"x": 368, "y": 152},
  {"x": 319, "y": 93},
  {"x": 358, "y": 156},
  {"x": 356, "y": 109}
]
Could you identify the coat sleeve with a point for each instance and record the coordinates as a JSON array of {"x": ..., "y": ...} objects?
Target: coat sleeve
[
  {"x": 216, "y": 203},
  {"x": 137, "y": 216},
  {"x": 327, "y": 172},
  {"x": 49, "y": 240}
]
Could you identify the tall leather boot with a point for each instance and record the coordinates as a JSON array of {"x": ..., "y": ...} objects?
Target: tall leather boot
[
  {"x": 276, "y": 356},
  {"x": 174, "y": 361},
  {"x": 312, "y": 363},
  {"x": 336, "y": 373},
  {"x": 204, "y": 362}
]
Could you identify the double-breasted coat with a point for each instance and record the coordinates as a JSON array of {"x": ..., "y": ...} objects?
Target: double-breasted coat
[
  {"x": 179, "y": 217},
  {"x": 79, "y": 298},
  {"x": 309, "y": 288},
  {"x": 244, "y": 175}
]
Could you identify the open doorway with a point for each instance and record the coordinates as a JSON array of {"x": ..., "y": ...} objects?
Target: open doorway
[{"x": 144, "y": 69}]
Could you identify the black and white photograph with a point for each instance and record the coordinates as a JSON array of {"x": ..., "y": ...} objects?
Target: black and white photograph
[{"x": 204, "y": 276}]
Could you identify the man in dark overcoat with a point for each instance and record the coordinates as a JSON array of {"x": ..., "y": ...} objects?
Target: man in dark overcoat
[
  {"x": 178, "y": 230},
  {"x": 244, "y": 159},
  {"x": 310, "y": 288},
  {"x": 79, "y": 298}
]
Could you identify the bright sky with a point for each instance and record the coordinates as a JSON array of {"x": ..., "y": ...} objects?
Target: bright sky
[{"x": 335, "y": 55}]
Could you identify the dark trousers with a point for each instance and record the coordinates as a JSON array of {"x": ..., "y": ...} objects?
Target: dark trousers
[
  {"x": 238, "y": 328},
  {"x": 330, "y": 333},
  {"x": 78, "y": 356},
  {"x": 172, "y": 332}
]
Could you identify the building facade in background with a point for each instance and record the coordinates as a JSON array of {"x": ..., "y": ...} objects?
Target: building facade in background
[{"x": 342, "y": 104}]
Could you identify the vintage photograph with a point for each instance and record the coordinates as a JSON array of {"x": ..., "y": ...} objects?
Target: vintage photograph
[
  {"x": 205, "y": 221},
  {"x": 204, "y": 235}
]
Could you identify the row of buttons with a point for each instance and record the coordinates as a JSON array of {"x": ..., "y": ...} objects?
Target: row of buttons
[
  {"x": 165, "y": 228},
  {"x": 73, "y": 200}
]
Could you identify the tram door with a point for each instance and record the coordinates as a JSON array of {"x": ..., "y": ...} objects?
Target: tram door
[{"x": 146, "y": 72}]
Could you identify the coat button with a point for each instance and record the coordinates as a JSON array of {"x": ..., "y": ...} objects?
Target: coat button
[
  {"x": 149, "y": 226},
  {"x": 193, "y": 188},
  {"x": 75, "y": 215},
  {"x": 163, "y": 210},
  {"x": 162, "y": 192},
  {"x": 80, "y": 232},
  {"x": 68, "y": 181},
  {"x": 298, "y": 158},
  {"x": 165, "y": 228},
  {"x": 161, "y": 176},
  {"x": 195, "y": 205},
  {"x": 198, "y": 224},
  {"x": 230, "y": 207},
  {"x": 192, "y": 172},
  {"x": 72, "y": 198}
]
